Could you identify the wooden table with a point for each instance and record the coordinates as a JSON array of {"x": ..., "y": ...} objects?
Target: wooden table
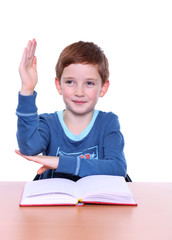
[{"x": 151, "y": 219}]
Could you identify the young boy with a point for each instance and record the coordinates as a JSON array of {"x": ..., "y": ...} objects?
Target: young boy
[{"x": 78, "y": 141}]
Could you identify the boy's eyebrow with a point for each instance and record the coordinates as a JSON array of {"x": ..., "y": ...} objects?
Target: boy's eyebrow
[
  {"x": 92, "y": 79},
  {"x": 88, "y": 78},
  {"x": 68, "y": 78}
]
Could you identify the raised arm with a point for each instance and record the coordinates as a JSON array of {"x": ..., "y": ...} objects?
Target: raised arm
[
  {"x": 28, "y": 69},
  {"x": 30, "y": 140}
]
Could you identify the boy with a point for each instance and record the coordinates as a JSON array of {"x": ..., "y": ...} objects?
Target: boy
[{"x": 79, "y": 140}]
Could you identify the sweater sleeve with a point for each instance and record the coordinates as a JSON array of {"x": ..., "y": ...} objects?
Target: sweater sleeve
[
  {"x": 32, "y": 135},
  {"x": 112, "y": 163}
]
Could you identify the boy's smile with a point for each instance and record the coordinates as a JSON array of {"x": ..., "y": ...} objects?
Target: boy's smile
[
  {"x": 79, "y": 102},
  {"x": 81, "y": 86}
]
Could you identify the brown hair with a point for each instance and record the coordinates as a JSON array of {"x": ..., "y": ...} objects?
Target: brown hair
[{"x": 86, "y": 53}]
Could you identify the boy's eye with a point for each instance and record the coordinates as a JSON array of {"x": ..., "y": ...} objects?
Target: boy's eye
[
  {"x": 90, "y": 83},
  {"x": 69, "y": 82}
]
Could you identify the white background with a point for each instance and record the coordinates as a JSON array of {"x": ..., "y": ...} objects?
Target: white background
[{"x": 136, "y": 37}]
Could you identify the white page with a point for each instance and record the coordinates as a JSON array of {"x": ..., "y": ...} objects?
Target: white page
[
  {"x": 52, "y": 185},
  {"x": 103, "y": 184}
]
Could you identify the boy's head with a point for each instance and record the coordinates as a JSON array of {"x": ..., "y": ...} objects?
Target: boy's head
[{"x": 84, "y": 53}]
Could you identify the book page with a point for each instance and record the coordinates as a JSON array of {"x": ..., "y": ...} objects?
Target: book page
[
  {"x": 49, "y": 186},
  {"x": 104, "y": 188}
]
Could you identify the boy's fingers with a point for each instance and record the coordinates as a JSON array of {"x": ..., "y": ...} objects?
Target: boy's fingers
[
  {"x": 30, "y": 158},
  {"x": 23, "y": 61},
  {"x": 42, "y": 170},
  {"x": 32, "y": 50},
  {"x": 29, "y": 48},
  {"x": 34, "y": 47},
  {"x": 47, "y": 161},
  {"x": 18, "y": 152},
  {"x": 34, "y": 62},
  {"x": 28, "y": 57}
]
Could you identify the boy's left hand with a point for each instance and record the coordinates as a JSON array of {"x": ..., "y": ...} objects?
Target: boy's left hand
[{"x": 48, "y": 162}]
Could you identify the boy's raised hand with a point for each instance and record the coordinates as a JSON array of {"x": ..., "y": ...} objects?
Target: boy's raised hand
[{"x": 28, "y": 69}]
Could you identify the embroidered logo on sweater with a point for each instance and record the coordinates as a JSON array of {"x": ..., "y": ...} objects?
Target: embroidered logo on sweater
[{"x": 89, "y": 153}]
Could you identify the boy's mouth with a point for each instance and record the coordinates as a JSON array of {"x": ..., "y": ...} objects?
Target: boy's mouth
[{"x": 79, "y": 102}]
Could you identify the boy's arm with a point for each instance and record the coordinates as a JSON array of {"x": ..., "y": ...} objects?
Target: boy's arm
[
  {"x": 28, "y": 69},
  {"x": 32, "y": 132},
  {"x": 31, "y": 140}
]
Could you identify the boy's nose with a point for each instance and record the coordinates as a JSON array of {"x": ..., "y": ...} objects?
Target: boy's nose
[{"x": 79, "y": 91}]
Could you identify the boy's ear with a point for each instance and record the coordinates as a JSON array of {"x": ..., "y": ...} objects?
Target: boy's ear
[
  {"x": 104, "y": 88},
  {"x": 58, "y": 85}
]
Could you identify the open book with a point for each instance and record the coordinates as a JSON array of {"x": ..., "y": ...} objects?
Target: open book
[{"x": 97, "y": 189}]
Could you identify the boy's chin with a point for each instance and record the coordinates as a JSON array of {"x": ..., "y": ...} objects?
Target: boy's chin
[{"x": 80, "y": 112}]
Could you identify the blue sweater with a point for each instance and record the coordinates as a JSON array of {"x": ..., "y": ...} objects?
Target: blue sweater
[{"x": 97, "y": 150}]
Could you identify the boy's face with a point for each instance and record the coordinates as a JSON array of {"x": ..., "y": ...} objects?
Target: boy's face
[{"x": 81, "y": 86}]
